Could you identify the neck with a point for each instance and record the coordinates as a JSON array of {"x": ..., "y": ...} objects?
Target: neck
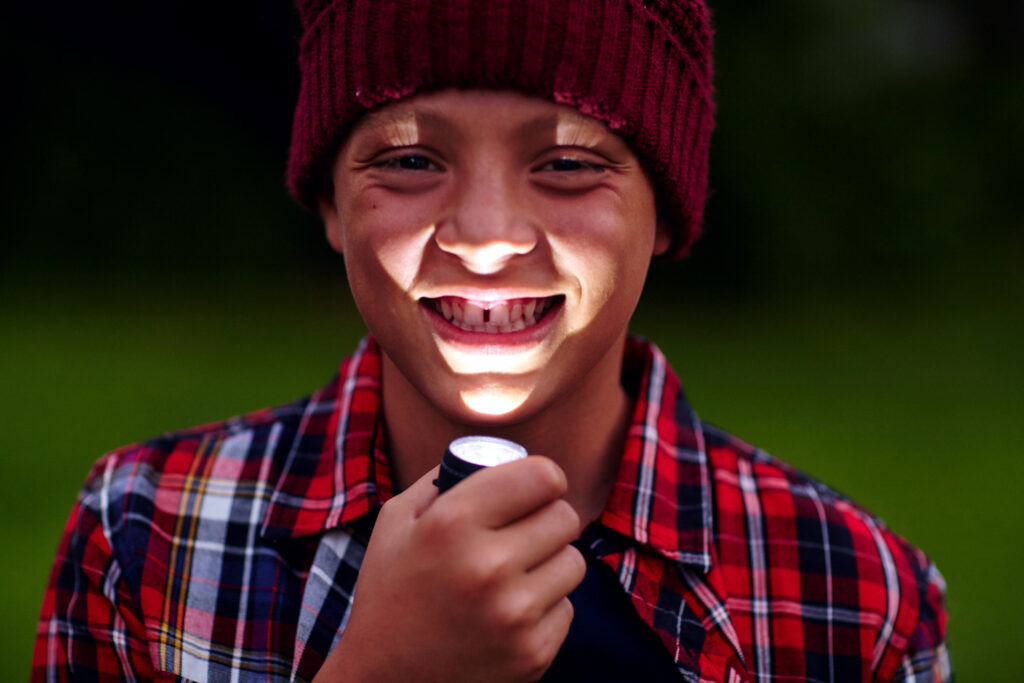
[{"x": 583, "y": 431}]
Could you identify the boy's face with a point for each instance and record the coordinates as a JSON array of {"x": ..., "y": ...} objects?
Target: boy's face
[{"x": 496, "y": 246}]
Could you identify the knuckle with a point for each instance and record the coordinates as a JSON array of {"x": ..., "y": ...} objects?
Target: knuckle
[
  {"x": 566, "y": 514},
  {"x": 534, "y": 666},
  {"x": 537, "y": 645},
  {"x": 444, "y": 519},
  {"x": 551, "y": 476},
  {"x": 515, "y": 610},
  {"x": 562, "y": 615},
  {"x": 535, "y": 654},
  {"x": 391, "y": 508},
  {"x": 481, "y": 571}
]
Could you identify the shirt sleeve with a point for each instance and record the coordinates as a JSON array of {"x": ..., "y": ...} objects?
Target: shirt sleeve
[
  {"x": 90, "y": 627},
  {"x": 925, "y": 658}
]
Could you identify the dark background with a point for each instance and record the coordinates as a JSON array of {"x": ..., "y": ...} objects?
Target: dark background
[
  {"x": 854, "y": 140},
  {"x": 854, "y": 306}
]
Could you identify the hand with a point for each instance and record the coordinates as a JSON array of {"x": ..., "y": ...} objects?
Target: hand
[{"x": 469, "y": 586}]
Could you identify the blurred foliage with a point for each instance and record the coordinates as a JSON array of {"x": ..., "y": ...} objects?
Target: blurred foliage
[{"x": 853, "y": 306}]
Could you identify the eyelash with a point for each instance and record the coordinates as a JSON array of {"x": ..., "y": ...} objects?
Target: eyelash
[
  {"x": 579, "y": 165},
  {"x": 423, "y": 163}
]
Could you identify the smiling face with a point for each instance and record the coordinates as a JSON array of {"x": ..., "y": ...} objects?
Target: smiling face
[{"x": 496, "y": 246}]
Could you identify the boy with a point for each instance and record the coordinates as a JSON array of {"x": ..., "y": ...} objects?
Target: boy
[{"x": 497, "y": 177}]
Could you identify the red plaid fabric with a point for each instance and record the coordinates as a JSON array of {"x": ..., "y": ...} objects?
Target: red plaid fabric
[{"x": 230, "y": 552}]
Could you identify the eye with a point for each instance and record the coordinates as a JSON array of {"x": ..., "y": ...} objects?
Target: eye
[
  {"x": 408, "y": 162},
  {"x": 569, "y": 164},
  {"x": 571, "y": 171}
]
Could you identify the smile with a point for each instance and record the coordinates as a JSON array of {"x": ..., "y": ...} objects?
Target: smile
[{"x": 493, "y": 317}]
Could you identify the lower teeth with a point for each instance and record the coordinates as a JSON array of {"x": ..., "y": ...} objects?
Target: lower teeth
[{"x": 487, "y": 327}]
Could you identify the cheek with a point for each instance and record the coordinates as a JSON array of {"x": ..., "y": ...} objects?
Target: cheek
[
  {"x": 611, "y": 260},
  {"x": 614, "y": 218},
  {"x": 384, "y": 240},
  {"x": 609, "y": 242}
]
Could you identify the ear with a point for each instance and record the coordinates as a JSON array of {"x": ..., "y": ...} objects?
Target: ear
[
  {"x": 662, "y": 236},
  {"x": 332, "y": 221}
]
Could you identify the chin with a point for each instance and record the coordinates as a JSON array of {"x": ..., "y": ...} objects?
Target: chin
[{"x": 493, "y": 405}]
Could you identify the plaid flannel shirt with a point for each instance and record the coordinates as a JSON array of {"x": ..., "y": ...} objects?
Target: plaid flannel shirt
[{"x": 230, "y": 551}]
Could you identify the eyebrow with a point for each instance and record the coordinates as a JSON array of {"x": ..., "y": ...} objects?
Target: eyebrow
[
  {"x": 558, "y": 123},
  {"x": 396, "y": 121}
]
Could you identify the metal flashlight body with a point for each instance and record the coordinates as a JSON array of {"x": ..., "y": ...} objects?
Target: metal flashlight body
[{"x": 467, "y": 454}]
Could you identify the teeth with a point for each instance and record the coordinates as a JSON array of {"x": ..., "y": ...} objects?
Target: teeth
[
  {"x": 473, "y": 315},
  {"x": 502, "y": 316},
  {"x": 498, "y": 314}
]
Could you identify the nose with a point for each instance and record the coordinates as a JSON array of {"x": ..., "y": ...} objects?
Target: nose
[{"x": 489, "y": 223}]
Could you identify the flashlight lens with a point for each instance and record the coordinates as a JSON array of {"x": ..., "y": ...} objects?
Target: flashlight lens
[
  {"x": 468, "y": 454},
  {"x": 486, "y": 451}
]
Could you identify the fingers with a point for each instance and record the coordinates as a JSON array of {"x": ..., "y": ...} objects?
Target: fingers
[
  {"x": 479, "y": 574},
  {"x": 549, "y": 636},
  {"x": 531, "y": 597},
  {"x": 539, "y": 535},
  {"x": 558, "y": 620},
  {"x": 555, "y": 578},
  {"x": 505, "y": 493}
]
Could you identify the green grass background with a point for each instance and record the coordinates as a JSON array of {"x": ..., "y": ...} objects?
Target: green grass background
[
  {"x": 854, "y": 306},
  {"x": 911, "y": 404}
]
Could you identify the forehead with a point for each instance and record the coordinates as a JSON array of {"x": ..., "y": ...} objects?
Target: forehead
[{"x": 482, "y": 112}]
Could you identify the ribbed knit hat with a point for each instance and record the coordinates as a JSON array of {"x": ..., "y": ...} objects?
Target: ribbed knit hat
[{"x": 643, "y": 67}]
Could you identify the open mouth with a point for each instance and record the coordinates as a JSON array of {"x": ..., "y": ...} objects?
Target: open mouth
[{"x": 493, "y": 317}]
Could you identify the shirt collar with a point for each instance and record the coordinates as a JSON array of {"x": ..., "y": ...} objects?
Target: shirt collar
[
  {"x": 336, "y": 470},
  {"x": 662, "y": 493}
]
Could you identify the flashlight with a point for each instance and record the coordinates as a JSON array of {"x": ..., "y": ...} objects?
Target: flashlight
[{"x": 467, "y": 454}]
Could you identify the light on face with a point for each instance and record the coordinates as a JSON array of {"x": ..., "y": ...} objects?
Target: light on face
[
  {"x": 583, "y": 244},
  {"x": 401, "y": 256},
  {"x": 481, "y": 360},
  {"x": 489, "y": 258},
  {"x": 494, "y": 400},
  {"x": 402, "y": 262},
  {"x": 499, "y": 378},
  {"x": 399, "y": 126},
  {"x": 574, "y": 130}
]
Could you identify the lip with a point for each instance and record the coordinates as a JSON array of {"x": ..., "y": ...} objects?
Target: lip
[
  {"x": 491, "y": 342},
  {"x": 487, "y": 295}
]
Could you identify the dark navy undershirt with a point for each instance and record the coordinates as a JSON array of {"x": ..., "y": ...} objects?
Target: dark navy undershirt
[{"x": 608, "y": 641}]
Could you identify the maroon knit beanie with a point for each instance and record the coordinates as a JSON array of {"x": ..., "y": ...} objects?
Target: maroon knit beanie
[{"x": 643, "y": 67}]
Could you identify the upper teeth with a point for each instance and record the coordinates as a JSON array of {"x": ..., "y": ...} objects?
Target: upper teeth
[{"x": 497, "y": 316}]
